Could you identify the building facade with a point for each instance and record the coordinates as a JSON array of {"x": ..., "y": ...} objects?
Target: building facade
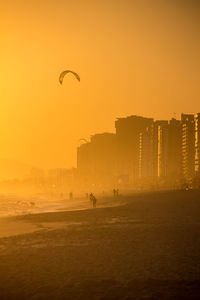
[
  {"x": 163, "y": 147},
  {"x": 96, "y": 160},
  {"x": 188, "y": 147},
  {"x": 143, "y": 153},
  {"x": 197, "y": 144},
  {"x": 174, "y": 150},
  {"x": 146, "y": 156},
  {"x": 155, "y": 146},
  {"x": 128, "y": 146}
]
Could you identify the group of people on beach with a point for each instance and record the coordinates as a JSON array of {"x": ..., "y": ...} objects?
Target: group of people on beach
[
  {"x": 93, "y": 199},
  {"x": 115, "y": 192}
]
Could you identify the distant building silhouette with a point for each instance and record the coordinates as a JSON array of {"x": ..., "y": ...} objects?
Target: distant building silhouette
[
  {"x": 146, "y": 155},
  {"x": 174, "y": 151},
  {"x": 128, "y": 145},
  {"x": 155, "y": 146},
  {"x": 103, "y": 148},
  {"x": 188, "y": 147},
  {"x": 143, "y": 154},
  {"x": 96, "y": 160},
  {"x": 197, "y": 144},
  {"x": 84, "y": 163},
  {"x": 163, "y": 151}
]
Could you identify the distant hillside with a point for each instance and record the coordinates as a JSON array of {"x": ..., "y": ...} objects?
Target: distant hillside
[{"x": 10, "y": 169}]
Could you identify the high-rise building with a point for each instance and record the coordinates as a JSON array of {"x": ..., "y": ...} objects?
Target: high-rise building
[
  {"x": 163, "y": 147},
  {"x": 84, "y": 166},
  {"x": 103, "y": 157},
  {"x": 155, "y": 145},
  {"x": 197, "y": 144},
  {"x": 174, "y": 150},
  {"x": 96, "y": 160},
  {"x": 188, "y": 147},
  {"x": 143, "y": 153},
  {"x": 128, "y": 145},
  {"x": 146, "y": 155}
]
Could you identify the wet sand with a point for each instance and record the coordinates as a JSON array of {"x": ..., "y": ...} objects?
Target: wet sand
[{"x": 146, "y": 248}]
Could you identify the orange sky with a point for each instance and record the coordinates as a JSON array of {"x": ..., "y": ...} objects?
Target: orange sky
[{"x": 133, "y": 57}]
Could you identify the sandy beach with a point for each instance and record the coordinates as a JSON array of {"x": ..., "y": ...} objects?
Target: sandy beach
[{"x": 145, "y": 247}]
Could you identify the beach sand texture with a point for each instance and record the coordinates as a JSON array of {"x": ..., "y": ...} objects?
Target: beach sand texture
[{"x": 147, "y": 248}]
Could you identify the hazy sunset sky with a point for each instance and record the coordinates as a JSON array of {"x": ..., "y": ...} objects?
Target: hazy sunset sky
[{"x": 133, "y": 57}]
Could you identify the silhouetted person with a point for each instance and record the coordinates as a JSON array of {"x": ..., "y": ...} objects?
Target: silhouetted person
[
  {"x": 114, "y": 192},
  {"x": 91, "y": 196},
  {"x": 93, "y": 200},
  {"x": 70, "y": 196},
  {"x": 86, "y": 195},
  {"x": 117, "y": 192}
]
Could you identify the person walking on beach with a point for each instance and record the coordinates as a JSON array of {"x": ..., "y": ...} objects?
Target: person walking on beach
[
  {"x": 91, "y": 197},
  {"x": 93, "y": 200},
  {"x": 117, "y": 192},
  {"x": 70, "y": 196}
]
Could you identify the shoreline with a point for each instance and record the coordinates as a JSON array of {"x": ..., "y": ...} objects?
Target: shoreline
[
  {"x": 57, "y": 219},
  {"x": 147, "y": 248},
  {"x": 24, "y": 224}
]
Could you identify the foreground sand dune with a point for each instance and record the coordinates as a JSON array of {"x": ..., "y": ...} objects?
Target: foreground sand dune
[{"x": 147, "y": 248}]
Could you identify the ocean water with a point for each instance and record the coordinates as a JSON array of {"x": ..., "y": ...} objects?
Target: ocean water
[{"x": 13, "y": 205}]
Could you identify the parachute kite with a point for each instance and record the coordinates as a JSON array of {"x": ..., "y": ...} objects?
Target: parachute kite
[{"x": 62, "y": 75}]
